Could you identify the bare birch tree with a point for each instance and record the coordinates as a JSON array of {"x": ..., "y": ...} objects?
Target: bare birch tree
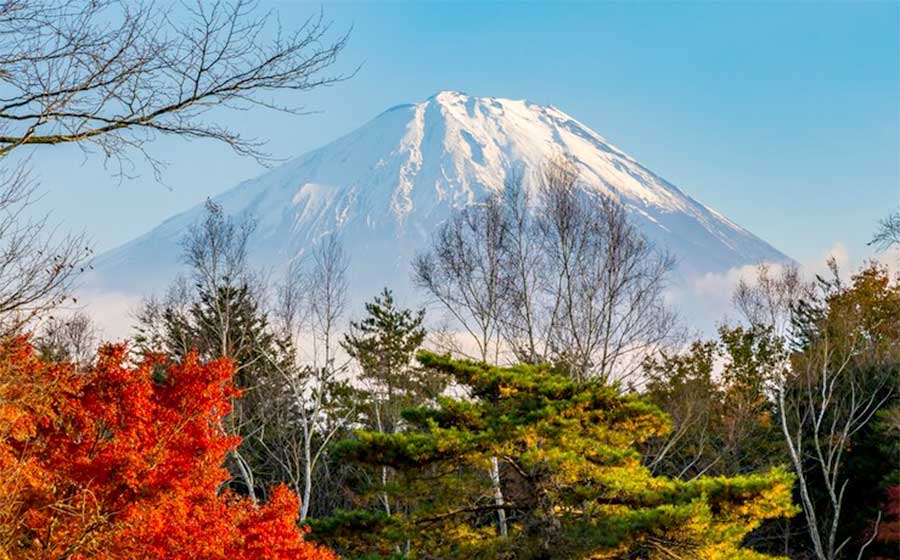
[
  {"x": 215, "y": 250},
  {"x": 603, "y": 302},
  {"x": 584, "y": 287},
  {"x": 522, "y": 322},
  {"x": 838, "y": 377},
  {"x": 844, "y": 374},
  {"x": 464, "y": 272},
  {"x": 218, "y": 312},
  {"x": 769, "y": 298},
  {"x": 304, "y": 413}
]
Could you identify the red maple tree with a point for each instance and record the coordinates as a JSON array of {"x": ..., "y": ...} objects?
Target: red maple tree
[{"x": 125, "y": 461}]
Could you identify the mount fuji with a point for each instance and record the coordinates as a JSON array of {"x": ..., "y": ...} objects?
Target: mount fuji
[{"x": 387, "y": 185}]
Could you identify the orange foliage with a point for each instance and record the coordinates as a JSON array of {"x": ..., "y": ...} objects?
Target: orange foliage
[{"x": 109, "y": 464}]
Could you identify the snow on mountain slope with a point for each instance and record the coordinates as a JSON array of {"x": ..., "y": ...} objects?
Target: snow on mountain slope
[{"x": 387, "y": 185}]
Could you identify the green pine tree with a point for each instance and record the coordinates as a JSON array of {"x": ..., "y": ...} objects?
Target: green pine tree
[
  {"x": 574, "y": 484},
  {"x": 384, "y": 344}
]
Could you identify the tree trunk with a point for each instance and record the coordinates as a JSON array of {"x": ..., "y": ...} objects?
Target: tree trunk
[
  {"x": 307, "y": 484},
  {"x": 498, "y": 496}
]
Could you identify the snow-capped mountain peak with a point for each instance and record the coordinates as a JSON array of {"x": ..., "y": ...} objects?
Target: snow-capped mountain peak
[{"x": 386, "y": 185}]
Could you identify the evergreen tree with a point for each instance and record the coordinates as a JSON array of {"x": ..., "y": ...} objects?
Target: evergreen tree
[
  {"x": 384, "y": 344},
  {"x": 226, "y": 322},
  {"x": 219, "y": 314},
  {"x": 574, "y": 483}
]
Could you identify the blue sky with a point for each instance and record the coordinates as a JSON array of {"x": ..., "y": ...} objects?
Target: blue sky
[{"x": 784, "y": 117}]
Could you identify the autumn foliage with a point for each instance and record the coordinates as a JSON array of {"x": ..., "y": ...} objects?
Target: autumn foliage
[{"x": 124, "y": 461}]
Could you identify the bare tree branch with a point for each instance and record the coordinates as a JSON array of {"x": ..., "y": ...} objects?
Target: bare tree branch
[
  {"x": 888, "y": 233},
  {"x": 38, "y": 266},
  {"x": 117, "y": 74}
]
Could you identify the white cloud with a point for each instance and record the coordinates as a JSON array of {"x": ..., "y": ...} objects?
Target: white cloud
[
  {"x": 891, "y": 258},
  {"x": 838, "y": 252},
  {"x": 705, "y": 301},
  {"x": 111, "y": 311}
]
